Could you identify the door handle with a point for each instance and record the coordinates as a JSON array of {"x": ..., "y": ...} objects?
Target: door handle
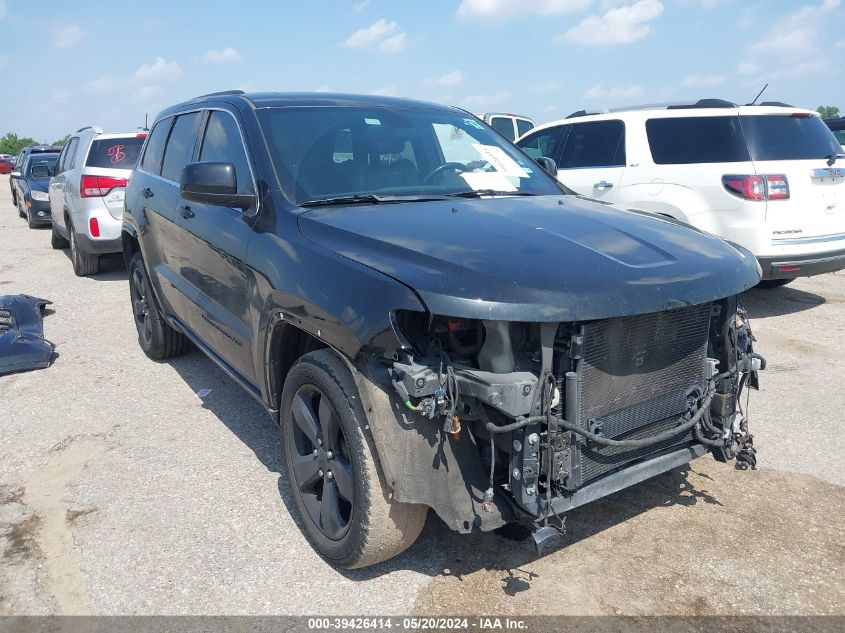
[
  {"x": 185, "y": 212},
  {"x": 603, "y": 185},
  {"x": 148, "y": 193}
]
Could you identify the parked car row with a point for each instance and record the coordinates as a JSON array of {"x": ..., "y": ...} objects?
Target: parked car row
[
  {"x": 438, "y": 319},
  {"x": 769, "y": 177}
]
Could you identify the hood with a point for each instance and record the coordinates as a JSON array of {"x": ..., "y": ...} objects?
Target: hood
[{"x": 543, "y": 258}]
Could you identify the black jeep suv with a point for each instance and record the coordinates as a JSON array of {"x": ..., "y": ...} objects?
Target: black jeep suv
[{"x": 432, "y": 319}]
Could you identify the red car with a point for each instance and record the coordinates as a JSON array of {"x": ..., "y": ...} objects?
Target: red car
[{"x": 6, "y": 166}]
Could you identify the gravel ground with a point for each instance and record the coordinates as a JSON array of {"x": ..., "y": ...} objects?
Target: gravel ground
[{"x": 124, "y": 492}]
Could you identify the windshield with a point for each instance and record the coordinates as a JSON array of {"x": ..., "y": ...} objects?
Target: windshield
[
  {"x": 47, "y": 160},
  {"x": 788, "y": 137},
  {"x": 335, "y": 152}
]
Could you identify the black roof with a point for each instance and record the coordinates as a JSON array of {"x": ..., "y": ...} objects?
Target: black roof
[{"x": 326, "y": 99}]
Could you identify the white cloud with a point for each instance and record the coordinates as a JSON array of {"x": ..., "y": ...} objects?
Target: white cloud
[
  {"x": 67, "y": 36},
  {"x": 619, "y": 25},
  {"x": 748, "y": 67},
  {"x": 449, "y": 79},
  {"x": 360, "y": 6},
  {"x": 323, "y": 88},
  {"x": 2, "y": 9},
  {"x": 385, "y": 91},
  {"x": 498, "y": 9},
  {"x": 547, "y": 86},
  {"x": 703, "y": 81},
  {"x": 160, "y": 70},
  {"x": 385, "y": 35},
  {"x": 62, "y": 96},
  {"x": 794, "y": 45},
  {"x": 142, "y": 85},
  {"x": 599, "y": 92},
  {"x": 486, "y": 101},
  {"x": 393, "y": 44},
  {"x": 226, "y": 56}
]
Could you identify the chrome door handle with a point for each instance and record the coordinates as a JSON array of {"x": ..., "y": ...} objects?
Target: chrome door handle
[
  {"x": 603, "y": 185},
  {"x": 147, "y": 193},
  {"x": 185, "y": 212}
]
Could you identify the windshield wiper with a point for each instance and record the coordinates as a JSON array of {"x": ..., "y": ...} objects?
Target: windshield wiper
[
  {"x": 831, "y": 158},
  {"x": 477, "y": 193},
  {"x": 368, "y": 199}
]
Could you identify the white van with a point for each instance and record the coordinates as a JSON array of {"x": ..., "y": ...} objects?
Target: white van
[{"x": 769, "y": 177}]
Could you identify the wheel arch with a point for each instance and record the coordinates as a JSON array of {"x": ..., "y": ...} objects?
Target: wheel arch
[{"x": 286, "y": 343}]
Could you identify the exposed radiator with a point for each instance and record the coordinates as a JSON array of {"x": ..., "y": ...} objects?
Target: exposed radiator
[{"x": 636, "y": 373}]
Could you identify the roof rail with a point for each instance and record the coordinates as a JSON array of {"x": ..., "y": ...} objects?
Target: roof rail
[
  {"x": 776, "y": 104},
  {"x": 220, "y": 94},
  {"x": 578, "y": 113},
  {"x": 703, "y": 103},
  {"x": 96, "y": 129}
]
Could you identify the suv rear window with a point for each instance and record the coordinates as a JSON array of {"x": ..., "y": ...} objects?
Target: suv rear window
[
  {"x": 503, "y": 126},
  {"x": 686, "y": 140},
  {"x": 788, "y": 137},
  {"x": 118, "y": 153}
]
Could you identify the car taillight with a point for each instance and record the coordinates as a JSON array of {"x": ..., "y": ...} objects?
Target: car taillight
[
  {"x": 94, "y": 227},
  {"x": 97, "y": 186},
  {"x": 770, "y": 187}
]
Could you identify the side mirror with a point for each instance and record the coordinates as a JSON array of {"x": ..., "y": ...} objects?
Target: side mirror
[
  {"x": 15, "y": 175},
  {"x": 547, "y": 164},
  {"x": 213, "y": 183},
  {"x": 40, "y": 171}
]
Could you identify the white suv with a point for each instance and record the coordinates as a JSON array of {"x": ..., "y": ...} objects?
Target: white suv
[
  {"x": 766, "y": 177},
  {"x": 86, "y": 194}
]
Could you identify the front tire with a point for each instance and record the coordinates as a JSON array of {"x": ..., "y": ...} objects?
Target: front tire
[
  {"x": 155, "y": 336},
  {"x": 83, "y": 265},
  {"x": 348, "y": 513}
]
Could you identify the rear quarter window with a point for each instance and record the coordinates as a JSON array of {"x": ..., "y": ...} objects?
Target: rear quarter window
[
  {"x": 781, "y": 137},
  {"x": 687, "y": 140},
  {"x": 151, "y": 162},
  {"x": 503, "y": 126},
  {"x": 117, "y": 153}
]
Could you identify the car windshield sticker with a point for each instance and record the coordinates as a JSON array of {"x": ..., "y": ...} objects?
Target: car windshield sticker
[
  {"x": 372, "y": 121},
  {"x": 500, "y": 161},
  {"x": 474, "y": 123},
  {"x": 495, "y": 180},
  {"x": 116, "y": 153}
]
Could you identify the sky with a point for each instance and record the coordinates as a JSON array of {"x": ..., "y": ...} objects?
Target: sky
[{"x": 68, "y": 64}]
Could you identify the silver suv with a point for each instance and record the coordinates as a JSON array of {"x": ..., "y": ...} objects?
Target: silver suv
[{"x": 86, "y": 194}]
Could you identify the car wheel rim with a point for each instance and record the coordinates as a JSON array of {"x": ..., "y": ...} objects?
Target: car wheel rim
[
  {"x": 319, "y": 462},
  {"x": 140, "y": 306}
]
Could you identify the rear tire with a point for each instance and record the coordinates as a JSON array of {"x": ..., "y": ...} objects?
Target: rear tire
[
  {"x": 362, "y": 524},
  {"x": 83, "y": 265},
  {"x": 774, "y": 283},
  {"x": 56, "y": 240},
  {"x": 155, "y": 336}
]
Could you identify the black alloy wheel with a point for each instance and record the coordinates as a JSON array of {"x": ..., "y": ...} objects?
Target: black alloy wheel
[
  {"x": 320, "y": 462},
  {"x": 141, "y": 307}
]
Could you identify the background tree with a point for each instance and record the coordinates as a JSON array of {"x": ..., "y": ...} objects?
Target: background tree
[
  {"x": 61, "y": 141},
  {"x": 828, "y": 112},
  {"x": 11, "y": 143}
]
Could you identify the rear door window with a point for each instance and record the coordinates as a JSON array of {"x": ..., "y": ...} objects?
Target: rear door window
[
  {"x": 594, "y": 144},
  {"x": 687, "y": 140},
  {"x": 222, "y": 143},
  {"x": 117, "y": 153},
  {"x": 523, "y": 126},
  {"x": 180, "y": 146},
  {"x": 503, "y": 125},
  {"x": 788, "y": 137},
  {"x": 151, "y": 162},
  {"x": 546, "y": 142},
  {"x": 69, "y": 153}
]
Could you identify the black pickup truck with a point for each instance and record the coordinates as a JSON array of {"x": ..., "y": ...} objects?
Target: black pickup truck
[{"x": 431, "y": 318}]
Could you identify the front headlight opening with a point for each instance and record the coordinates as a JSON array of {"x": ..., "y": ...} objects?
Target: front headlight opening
[{"x": 41, "y": 196}]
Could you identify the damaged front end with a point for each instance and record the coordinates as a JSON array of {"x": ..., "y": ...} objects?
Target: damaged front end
[{"x": 533, "y": 419}]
